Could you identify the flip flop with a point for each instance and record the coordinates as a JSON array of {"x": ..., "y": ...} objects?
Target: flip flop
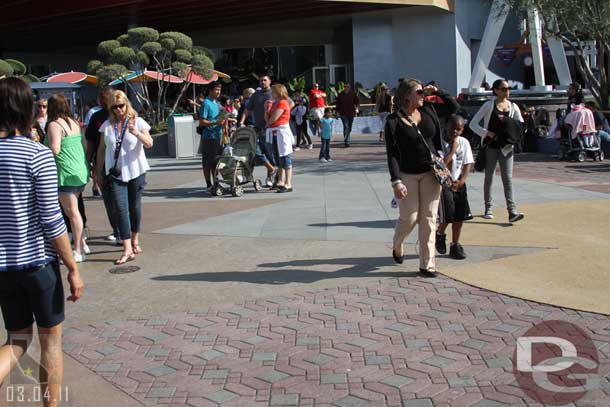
[
  {"x": 125, "y": 258},
  {"x": 137, "y": 249}
]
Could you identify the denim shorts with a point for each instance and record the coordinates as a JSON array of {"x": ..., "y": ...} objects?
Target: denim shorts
[
  {"x": 71, "y": 190},
  {"x": 286, "y": 162},
  {"x": 36, "y": 294}
]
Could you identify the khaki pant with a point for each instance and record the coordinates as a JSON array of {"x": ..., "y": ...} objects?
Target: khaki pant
[{"x": 420, "y": 206}]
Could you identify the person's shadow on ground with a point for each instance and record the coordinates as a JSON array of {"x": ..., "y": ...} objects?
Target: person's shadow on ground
[{"x": 294, "y": 272}]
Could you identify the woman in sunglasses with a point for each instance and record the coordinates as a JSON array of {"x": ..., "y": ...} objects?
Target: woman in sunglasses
[
  {"x": 410, "y": 133},
  {"x": 498, "y": 115},
  {"x": 125, "y": 136}
]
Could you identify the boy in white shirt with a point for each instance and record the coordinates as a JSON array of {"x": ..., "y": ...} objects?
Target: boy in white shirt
[{"x": 453, "y": 207}]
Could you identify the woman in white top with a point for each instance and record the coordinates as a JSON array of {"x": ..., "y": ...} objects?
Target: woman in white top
[
  {"x": 492, "y": 113},
  {"x": 125, "y": 136}
]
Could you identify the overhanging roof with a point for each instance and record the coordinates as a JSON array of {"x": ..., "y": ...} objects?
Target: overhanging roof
[{"x": 36, "y": 25}]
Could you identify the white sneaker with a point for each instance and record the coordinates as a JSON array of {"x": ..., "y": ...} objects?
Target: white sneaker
[
  {"x": 323, "y": 160},
  {"x": 297, "y": 149},
  {"x": 488, "y": 214},
  {"x": 86, "y": 248},
  {"x": 79, "y": 258},
  {"x": 111, "y": 238},
  {"x": 269, "y": 182},
  {"x": 310, "y": 147},
  {"x": 329, "y": 160}
]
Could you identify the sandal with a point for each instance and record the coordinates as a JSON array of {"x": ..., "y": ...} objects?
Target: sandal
[
  {"x": 137, "y": 249},
  {"x": 125, "y": 258}
]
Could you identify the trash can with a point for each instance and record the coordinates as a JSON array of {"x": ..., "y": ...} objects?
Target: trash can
[{"x": 180, "y": 136}]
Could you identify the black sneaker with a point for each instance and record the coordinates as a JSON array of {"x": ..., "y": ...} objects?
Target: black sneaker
[
  {"x": 427, "y": 273},
  {"x": 456, "y": 251},
  {"x": 441, "y": 243},
  {"x": 515, "y": 217}
]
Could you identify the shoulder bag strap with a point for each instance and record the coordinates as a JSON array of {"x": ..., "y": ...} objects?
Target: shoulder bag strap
[
  {"x": 411, "y": 123},
  {"x": 117, "y": 150}
]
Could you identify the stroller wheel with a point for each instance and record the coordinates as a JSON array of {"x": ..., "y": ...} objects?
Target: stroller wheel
[
  {"x": 581, "y": 157},
  {"x": 218, "y": 191},
  {"x": 601, "y": 156},
  {"x": 237, "y": 191},
  {"x": 258, "y": 185}
]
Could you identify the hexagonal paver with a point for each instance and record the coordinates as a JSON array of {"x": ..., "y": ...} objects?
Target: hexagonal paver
[
  {"x": 417, "y": 403},
  {"x": 336, "y": 378},
  {"x": 438, "y": 361},
  {"x": 287, "y": 400},
  {"x": 377, "y": 360},
  {"x": 210, "y": 354},
  {"x": 159, "y": 371},
  {"x": 320, "y": 359},
  {"x": 397, "y": 381},
  {"x": 221, "y": 396},
  {"x": 350, "y": 401},
  {"x": 264, "y": 356},
  {"x": 108, "y": 367},
  {"x": 461, "y": 382},
  {"x": 161, "y": 392},
  {"x": 362, "y": 342},
  {"x": 216, "y": 374},
  {"x": 272, "y": 376}
]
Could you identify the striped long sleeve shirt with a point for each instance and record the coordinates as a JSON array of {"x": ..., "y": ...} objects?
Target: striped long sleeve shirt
[{"x": 29, "y": 210}]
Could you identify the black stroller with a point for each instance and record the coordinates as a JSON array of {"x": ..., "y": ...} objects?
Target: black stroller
[{"x": 235, "y": 166}]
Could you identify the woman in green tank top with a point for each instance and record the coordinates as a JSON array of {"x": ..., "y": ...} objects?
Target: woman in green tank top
[{"x": 65, "y": 141}]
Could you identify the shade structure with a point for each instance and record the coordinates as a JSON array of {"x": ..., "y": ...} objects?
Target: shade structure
[
  {"x": 147, "y": 76},
  {"x": 197, "y": 79},
  {"x": 72, "y": 77}
]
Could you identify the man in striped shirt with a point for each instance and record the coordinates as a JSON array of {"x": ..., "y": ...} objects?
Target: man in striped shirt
[{"x": 32, "y": 235}]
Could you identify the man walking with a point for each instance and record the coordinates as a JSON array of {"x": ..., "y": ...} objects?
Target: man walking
[
  {"x": 256, "y": 105},
  {"x": 348, "y": 106},
  {"x": 209, "y": 119},
  {"x": 317, "y": 102}
]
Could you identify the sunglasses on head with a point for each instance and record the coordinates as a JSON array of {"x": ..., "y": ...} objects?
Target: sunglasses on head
[{"x": 120, "y": 106}]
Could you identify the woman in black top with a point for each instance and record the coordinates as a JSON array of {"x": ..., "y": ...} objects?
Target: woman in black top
[
  {"x": 407, "y": 131},
  {"x": 383, "y": 106}
]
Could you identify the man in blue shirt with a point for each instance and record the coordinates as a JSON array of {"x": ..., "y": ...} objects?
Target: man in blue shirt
[{"x": 212, "y": 132}]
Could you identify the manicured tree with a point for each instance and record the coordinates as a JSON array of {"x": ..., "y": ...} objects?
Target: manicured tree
[
  {"x": 12, "y": 67},
  {"x": 141, "y": 47},
  {"x": 576, "y": 22}
]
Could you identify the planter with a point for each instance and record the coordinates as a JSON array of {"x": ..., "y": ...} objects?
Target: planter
[
  {"x": 547, "y": 145},
  {"x": 160, "y": 145}
]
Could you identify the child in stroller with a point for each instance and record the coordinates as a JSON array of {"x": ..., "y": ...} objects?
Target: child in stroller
[
  {"x": 235, "y": 166},
  {"x": 579, "y": 137}
]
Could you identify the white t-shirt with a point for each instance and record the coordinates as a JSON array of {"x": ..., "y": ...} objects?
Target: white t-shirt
[
  {"x": 132, "y": 160},
  {"x": 462, "y": 156}
]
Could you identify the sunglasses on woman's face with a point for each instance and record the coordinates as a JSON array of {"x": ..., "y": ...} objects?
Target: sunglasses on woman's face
[
  {"x": 504, "y": 89},
  {"x": 42, "y": 106},
  {"x": 122, "y": 105},
  {"x": 419, "y": 92}
]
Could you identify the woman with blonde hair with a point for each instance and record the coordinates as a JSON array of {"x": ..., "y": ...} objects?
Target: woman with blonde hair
[
  {"x": 279, "y": 134},
  {"x": 125, "y": 136},
  {"x": 66, "y": 142}
]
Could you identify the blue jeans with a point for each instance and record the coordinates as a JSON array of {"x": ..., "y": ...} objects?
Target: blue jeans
[
  {"x": 603, "y": 135},
  {"x": 347, "y": 127},
  {"x": 262, "y": 151},
  {"x": 282, "y": 162},
  {"x": 325, "y": 149},
  {"x": 127, "y": 199},
  {"x": 109, "y": 205}
]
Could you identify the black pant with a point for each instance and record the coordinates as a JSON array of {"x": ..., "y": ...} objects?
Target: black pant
[
  {"x": 302, "y": 134},
  {"x": 81, "y": 209}
]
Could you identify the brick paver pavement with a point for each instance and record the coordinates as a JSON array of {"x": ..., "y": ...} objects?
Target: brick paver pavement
[{"x": 398, "y": 342}]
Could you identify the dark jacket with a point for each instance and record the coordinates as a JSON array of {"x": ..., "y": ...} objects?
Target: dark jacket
[{"x": 347, "y": 103}]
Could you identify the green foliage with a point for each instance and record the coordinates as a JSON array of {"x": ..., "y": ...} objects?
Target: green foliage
[
  {"x": 108, "y": 73},
  {"x": 105, "y": 48},
  {"x": 123, "y": 56},
  {"x": 180, "y": 68},
  {"x": 199, "y": 50},
  {"x": 142, "y": 58},
  {"x": 19, "y": 68},
  {"x": 123, "y": 39},
  {"x": 296, "y": 84},
  {"x": 158, "y": 128},
  {"x": 151, "y": 48},
  {"x": 202, "y": 65},
  {"x": 360, "y": 90},
  {"x": 181, "y": 41},
  {"x": 5, "y": 68},
  {"x": 93, "y": 66},
  {"x": 140, "y": 35},
  {"x": 29, "y": 78},
  {"x": 183, "y": 55},
  {"x": 167, "y": 44}
]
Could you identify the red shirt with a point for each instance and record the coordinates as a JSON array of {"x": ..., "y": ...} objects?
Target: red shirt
[
  {"x": 285, "y": 117},
  {"x": 316, "y": 98}
]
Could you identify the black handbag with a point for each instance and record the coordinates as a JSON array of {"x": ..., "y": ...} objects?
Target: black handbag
[
  {"x": 481, "y": 160},
  {"x": 437, "y": 167}
]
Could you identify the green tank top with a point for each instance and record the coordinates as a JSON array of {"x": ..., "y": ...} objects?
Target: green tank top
[{"x": 72, "y": 169}]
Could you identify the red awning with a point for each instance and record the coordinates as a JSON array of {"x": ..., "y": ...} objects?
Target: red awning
[
  {"x": 72, "y": 77},
  {"x": 163, "y": 76}
]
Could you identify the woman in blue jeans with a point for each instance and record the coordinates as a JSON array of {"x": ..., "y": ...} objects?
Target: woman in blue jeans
[{"x": 125, "y": 138}]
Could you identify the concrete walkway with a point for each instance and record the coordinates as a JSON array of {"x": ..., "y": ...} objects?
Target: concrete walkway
[{"x": 293, "y": 299}]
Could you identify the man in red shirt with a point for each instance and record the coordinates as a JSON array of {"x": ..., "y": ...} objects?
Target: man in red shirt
[
  {"x": 347, "y": 105},
  {"x": 317, "y": 103}
]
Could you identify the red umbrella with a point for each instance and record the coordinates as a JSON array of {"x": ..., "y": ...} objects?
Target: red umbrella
[
  {"x": 163, "y": 77},
  {"x": 196, "y": 79},
  {"x": 72, "y": 77}
]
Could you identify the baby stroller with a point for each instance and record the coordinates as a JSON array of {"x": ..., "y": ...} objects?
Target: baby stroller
[
  {"x": 585, "y": 144},
  {"x": 235, "y": 167}
]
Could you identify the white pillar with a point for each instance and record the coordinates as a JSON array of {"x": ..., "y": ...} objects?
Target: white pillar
[
  {"x": 560, "y": 61},
  {"x": 536, "y": 43},
  {"x": 491, "y": 35}
]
